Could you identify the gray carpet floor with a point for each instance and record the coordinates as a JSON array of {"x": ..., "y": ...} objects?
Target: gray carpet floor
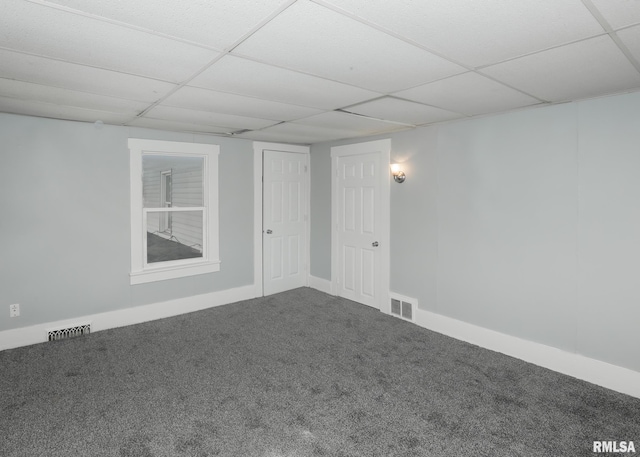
[{"x": 300, "y": 373}]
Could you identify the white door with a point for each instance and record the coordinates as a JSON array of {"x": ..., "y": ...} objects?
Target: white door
[
  {"x": 284, "y": 221},
  {"x": 362, "y": 223}
]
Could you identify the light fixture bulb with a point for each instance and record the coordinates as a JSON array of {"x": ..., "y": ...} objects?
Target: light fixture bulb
[{"x": 398, "y": 175}]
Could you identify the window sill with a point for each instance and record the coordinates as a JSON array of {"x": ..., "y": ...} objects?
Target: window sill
[{"x": 162, "y": 274}]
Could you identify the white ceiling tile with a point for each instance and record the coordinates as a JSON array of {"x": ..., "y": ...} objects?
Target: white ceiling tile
[
  {"x": 79, "y": 60},
  {"x": 229, "y": 121},
  {"x": 478, "y": 33},
  {"x": 324, "y": 43},
  {"x": 66, "y": 75},
  {"x": 177, "y": 126},
  {"x": 246, "y": 77},
  {"x": 619, "y": 13},
  {"x": 48, "y": 32},
  {"x": 39, "y": 109},
  {"x": 469, "y": 93},
  {"x": 393, "y": 109},
  {"x": 213, "y": 23},
  {"x": 342, "y": 121},
  {"x": 586, "y": 69},
  {"x": 631, "y": 39},
  {"x": 47, "y": 94},
  {"x": 220, "y": 102}
]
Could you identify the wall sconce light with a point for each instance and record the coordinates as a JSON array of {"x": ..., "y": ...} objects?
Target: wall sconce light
[{"x": 398, "y": 175}]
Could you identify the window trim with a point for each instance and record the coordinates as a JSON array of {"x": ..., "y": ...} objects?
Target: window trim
[{"x": 141, "y": 272}]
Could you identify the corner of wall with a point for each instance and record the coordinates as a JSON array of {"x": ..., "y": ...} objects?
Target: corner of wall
[{"x": 594, "y": 371}]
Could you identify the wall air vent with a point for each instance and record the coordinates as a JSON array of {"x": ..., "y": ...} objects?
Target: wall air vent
[
  {"x": 68, "y": 332},
  {"x": 403, "y": 307},
  {"x": 407, "y": 310},
  {"x": 396, "y": 307}
]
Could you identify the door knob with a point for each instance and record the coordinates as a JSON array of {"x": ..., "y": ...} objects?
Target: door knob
[
  {"x": 374, "y": 244},
  {"x": 269, "y": 231}
]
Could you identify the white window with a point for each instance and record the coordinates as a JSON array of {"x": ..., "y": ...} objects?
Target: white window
[{"x": 174, "y": 209}]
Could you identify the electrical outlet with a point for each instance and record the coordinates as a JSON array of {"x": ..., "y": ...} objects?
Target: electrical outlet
[{"x": 14, "y": 310}]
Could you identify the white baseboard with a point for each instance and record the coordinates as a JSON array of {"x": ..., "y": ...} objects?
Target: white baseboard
[
  {"x": 601, "y": 373},
  {"x": 594, "y": 371},
  {"x": 323, "y": 285},
  {"x": 34, "y": 334}
]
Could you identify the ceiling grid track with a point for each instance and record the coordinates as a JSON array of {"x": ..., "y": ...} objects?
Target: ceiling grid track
[
  {"x": 305, "y": 71},
  {"x": 612, "y": 33},
  {"x": 220, "y": 56}
]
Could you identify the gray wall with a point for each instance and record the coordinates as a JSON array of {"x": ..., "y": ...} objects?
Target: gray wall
[
  {"x": 64, "y": 220},
  {"x": 526, "y": 223}
]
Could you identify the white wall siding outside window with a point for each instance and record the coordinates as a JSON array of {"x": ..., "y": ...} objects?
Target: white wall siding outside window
[{"x": 192, "y": 207}]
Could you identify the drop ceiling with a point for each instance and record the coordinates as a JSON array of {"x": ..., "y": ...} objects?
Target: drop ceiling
[{"x": 305, "y": 71}]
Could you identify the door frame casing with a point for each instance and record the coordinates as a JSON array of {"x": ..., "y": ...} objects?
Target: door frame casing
[
  {"x": 258, "y": 164},
  {"x": 382, "y": 147}
]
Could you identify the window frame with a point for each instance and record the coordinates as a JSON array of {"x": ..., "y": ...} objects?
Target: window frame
[{"x": 141, "y": 271}]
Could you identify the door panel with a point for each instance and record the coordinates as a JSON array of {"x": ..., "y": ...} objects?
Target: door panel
[
  {"x": 349, "y": 272},
  {"x": 284, "y": 221},
  {"x": 294, "y": 202},
  {"x": 368, "y": 210},
  {"x": 294, "y": 255},
  {"x": 368, "y": 273},
  {"x": 276, "y": 258},
  {"x": 276, "y": 202}
]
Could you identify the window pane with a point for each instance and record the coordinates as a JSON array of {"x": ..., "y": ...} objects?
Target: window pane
[
  {"x": 174, "y": 235},
  {"x": 172, "y": 181}
]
